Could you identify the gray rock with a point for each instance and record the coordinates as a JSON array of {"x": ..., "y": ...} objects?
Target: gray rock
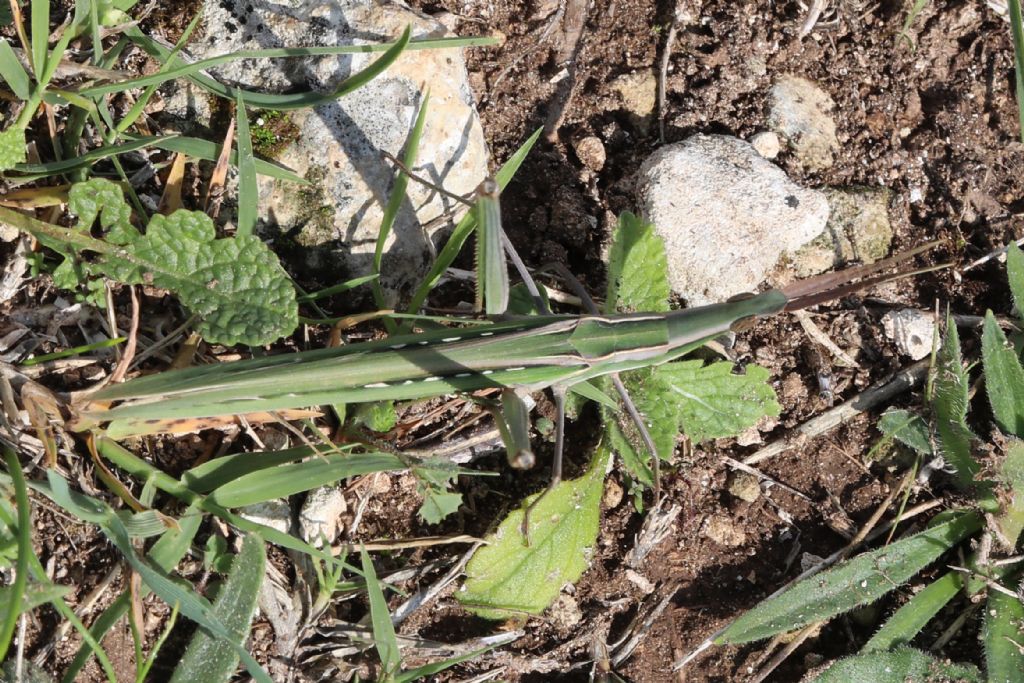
[
  {"x": 320, "y": 516},
  {"x": 276, "y": 514},
  {"x": 911, "y": 330},
  {"x": 800, "y": 112},
  {"x": 858, "y": 230},
  {"x": 329, "y": 229},
  {"x": 726, "y": 214}
]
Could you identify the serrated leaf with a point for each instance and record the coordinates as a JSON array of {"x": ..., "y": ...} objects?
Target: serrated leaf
[
  {"x": 101, "y": 198},
  {"x": 949, "y": 405},
  {"x": 438, "y": 504},
  {"x": 507, "y": 578},
  {"x": 907, "y": 428},
  {"x": 905, "y": 665},
  {"x": 1003, "y": 635},
  {"x": 1004, "y": 378},
  {"x": 713, "y": 401},
  {"x": 210, "y": 658},
  {"x": 1015, "y": 273},
  {"x": 637, "y": 268},
  {"x": 906, "y": 622},
  {"x": 12, "y": 147},
  {"x": 859, "y": 581}
]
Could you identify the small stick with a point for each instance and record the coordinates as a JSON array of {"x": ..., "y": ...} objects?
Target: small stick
[
  {"x": 815, "y": 333},
  {"x": 998, "y": 253},
  {"x": 736, "y": 464},
  {"x": 813, "y": 14},
  {"x": 830, "y": 419},
  {"x": 421, "y": 598},
  {"x": 666, "y": 54}
]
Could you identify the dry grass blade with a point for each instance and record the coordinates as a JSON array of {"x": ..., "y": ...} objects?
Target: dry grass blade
[
  {"x": 215, "y": 191},
  {"x": 170, "y": 200}
]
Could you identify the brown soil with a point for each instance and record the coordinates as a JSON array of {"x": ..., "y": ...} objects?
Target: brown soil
[{"x": 937, "y": 118}]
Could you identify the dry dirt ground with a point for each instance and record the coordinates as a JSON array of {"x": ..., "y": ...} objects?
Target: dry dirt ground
[{"x": 932, "y": 117}]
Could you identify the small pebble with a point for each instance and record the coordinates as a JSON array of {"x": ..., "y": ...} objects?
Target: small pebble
[
  {"x": 590, "y": 151},
  {"x": 766, "y": 144},
  {"x": 744, "y": 486},
  {"x": 612, "y": 494},
  {"x": 722, "y": 530},
  {"x": 911, "y": 330}
]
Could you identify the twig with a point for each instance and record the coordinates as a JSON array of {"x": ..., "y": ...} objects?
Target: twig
[
  {"x": 830, "y": 419},
  {"x": 815, "y": 333},
  {"x": 743, "y": 467},
  {"x": 805, "y": 633},
  {"x": 623, "y": 652},
  {"x": 423, "y": 597},
  {"x": 666, "y": 55},
  {"x": 998, "y": 253},
  {"x": 813, "y": 14},
  {"x": 994, "y": 585}
]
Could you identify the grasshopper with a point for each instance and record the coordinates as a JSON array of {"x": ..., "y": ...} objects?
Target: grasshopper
[{"x": 560, "y": 352}]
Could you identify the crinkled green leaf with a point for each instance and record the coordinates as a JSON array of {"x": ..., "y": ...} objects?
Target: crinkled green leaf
[
  {"x": 949, "y": 405},
  {"x": 214, "y": 659},
  {"x": 12, "y": 147},
  {"x": 1004, "y": 378},
  {"x": 377, "y": 416},
  {"x": 637, "y": 268},
  {"x": 907, "y": 428},
  {"x": 101, "y": 198},
  {"x": 508, "y": 578},
  {"x": 859, "y": 581},
  {"x": 438, "y": 504},
  {"x": 1003, "y": 636},
  {"x": 904, "y": 665}
]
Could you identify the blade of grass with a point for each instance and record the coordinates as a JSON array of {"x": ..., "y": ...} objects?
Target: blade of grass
[
  {"x": 248, "y": 190},
  {"x": 398, "y": 196},
  {"x": 337, "y": 289},
  {"x": 466, "y": 225},
  {"x": 40, "y": 27},
  {"x": 33, "y": 171},
  {"x": 13, "y": 72},
  {"x": 17, "y": 590},
  {"x": 1017, "y": 29},
  {"x": 906, "y": 622},
  {"x": 210, "y": 151},
  {"x": 259, "y": 100},
  {"x": 106, "y": 343},
  {"x": 384, "y": 638}
]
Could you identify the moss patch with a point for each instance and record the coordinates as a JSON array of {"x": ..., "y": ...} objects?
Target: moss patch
[{"x": 271, "y": 132}]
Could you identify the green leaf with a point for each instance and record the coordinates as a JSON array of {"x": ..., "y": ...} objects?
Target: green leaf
[
  {"x": 40, "y": 26},
  {"x": 508, "y": 578},
  {"x": 910, "y": 618},
  {"x": 907, "y": 428},
  {"x": 438, "y": 504},
  {"x": 248, "y": 190},
  {"x": 859, "y": 581},
  {"x": 1003, "y": 635},
  {"x": 286, "y": 480},
  {"x": 377, "y": 416},
  {"x": 1004, "y": 378},
  {"x": 637, "y": 268},
  {"x": 210, "y": 658},
  {"x": 949, "y": 406},
  {"x": 384, "y": 637},
  {"x": 210, "y": 151},
  {"x": 12, "y": 147},
  {"x": 13, "y": 72},
  {"x": 905, "y": 665},
  {"x": 1011, "y": 518},
  {"x": 1015, "y": 273}
]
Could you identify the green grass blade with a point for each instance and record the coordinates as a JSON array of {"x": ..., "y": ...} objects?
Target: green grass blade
[
  {"x": 248, "y": 190},
  {"x": 215, "y": 473},
  {"x": 13, "y": 72},
  {"x": 1003, "y": 636},
  {"x": 210, "y": 151},
  {"x": 1004, "y": 378},
  {"x": 87, "y": 159},
  {"x": 901, "y": 666},
  {"x": 40, "y": 37},
  {"x": 212, "y": 659},
  {"x": 339, "y": 288},
  {"x": 384, "y": 637},
  {"x": 86, "y": 348},
  {"x": 1017, "y": 29},
  {"x": 859, "y": 581},
  {"x": 17, "y": 590},
  {"x": 395, "y": 201},
  {"x": 287, "y": 480},
  {"x": 259, "y": 100},
  {"x": 1015, "y": 274},
  {"x": 466, "y": 226},
  {"x": 422, "y": 672},
  {"x": 909, "y": 619}
]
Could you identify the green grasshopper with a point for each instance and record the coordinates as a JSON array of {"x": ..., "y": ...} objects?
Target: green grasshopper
[{"x": 561, "y": 352}]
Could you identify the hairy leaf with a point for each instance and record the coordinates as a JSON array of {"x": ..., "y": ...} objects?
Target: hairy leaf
[
  {"x": 212, "y": 659},
  {"x": 949, "y": 405},
  {"x": 12, "y": 147},
  {"x": 637, "y": 268},
  {"x": 1011, "y": 517},
  {"x": 377, "y": 416},
  {"x": 909, "y": 619},
  {"x": 508, "y": 578},
  {"x": 900, "y": 666},
  {"x": 907, "y": 428},
  {"x": 859, "y": 581},
  {"x": 1003, "y": 635},
  {"x": 1015, "y": 273},
  {"x": 1004, "y": 378}
]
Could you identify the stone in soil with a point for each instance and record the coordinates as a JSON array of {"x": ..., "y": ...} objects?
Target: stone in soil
[
  {"x": 744, "y": 486},
  {"x": 726, "y": 215},
  {"x": 276, "y": 514},
  {"x": 801, "y": 113},
  {"x": 911, "y": 330},
  {"x": 319, "y": 518},
  {"x": 724, "y": 531},
  {"x": 329, "y": 229}
]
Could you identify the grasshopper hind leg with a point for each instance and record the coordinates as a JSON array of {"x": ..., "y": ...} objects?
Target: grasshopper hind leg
[{"x": 556, "y": 460}]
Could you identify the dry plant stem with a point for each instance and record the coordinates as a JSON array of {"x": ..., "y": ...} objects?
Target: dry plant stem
[
  {"x": 424, "y": 597},
  {"x": 994, "y": 585},
  {"x": 623, "y": 652},
  {"x": 954, "y": 628},
  {"x": 784, "y": 654},
  {"x": 998, "y": 253},
  {"x": 736, "y": 464},
  {"x": 866, "y": 400},
  {"x": 129, "y": 348},
  {"x": 666, "y": 55},
  {"x": 815, "y": 333},
  {"x": 813, "y": 14}
]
